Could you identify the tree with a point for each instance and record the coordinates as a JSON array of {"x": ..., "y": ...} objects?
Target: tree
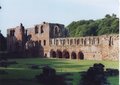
[
  {"x": 107, "y": 16},
  {"x": 107, "y": 25},
  {"x": 94, "y": 76}
]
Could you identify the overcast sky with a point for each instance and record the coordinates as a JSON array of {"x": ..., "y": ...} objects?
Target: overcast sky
[{"x": 31, "y": 12}]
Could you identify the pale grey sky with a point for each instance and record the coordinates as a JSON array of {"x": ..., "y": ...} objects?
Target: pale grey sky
[{"x": 31, "y": 12}]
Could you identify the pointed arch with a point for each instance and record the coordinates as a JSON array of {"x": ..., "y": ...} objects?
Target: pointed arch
[
  {"x": 73, "y": 55},
  {"x": 59, "y": 53},
  {"x": 52, "y": 54},
  {"x": 80, "y": 55},
  {"x": 66, "y": 54}
]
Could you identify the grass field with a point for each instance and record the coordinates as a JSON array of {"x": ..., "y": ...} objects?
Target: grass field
[{"x": 21, "y": 74}]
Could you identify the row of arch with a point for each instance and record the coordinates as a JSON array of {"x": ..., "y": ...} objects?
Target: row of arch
[
  {"x": 66, "y": 54},
  {"x": 81, "y": 41}
]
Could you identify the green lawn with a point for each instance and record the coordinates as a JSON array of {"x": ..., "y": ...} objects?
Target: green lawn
[{"x": 21, "y": 74}]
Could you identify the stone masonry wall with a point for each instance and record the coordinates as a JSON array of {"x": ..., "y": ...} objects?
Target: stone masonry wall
[
  {"x": 50, "y": 40},
  {"x": 94, "y": 48}
]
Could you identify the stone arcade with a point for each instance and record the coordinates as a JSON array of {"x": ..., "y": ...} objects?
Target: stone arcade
[{"x": 51, "y": 40}]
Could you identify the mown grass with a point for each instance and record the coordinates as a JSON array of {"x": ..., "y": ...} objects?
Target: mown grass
[
  {"x": 62, "y": 66},
  {"x": 114, "y": 80}
]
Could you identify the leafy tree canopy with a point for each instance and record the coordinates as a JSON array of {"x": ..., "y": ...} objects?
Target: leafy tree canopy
[{"x": 108, "y": 25}]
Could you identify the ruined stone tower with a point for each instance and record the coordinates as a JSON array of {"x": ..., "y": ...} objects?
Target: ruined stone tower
[
  {"x": 43, "y": 33},
  {"x": 16, "y": 39},
  {"x": 36, "y": 38}
]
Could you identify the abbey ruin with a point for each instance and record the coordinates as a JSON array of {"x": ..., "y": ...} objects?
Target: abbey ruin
[{"x": 51, "y": 40}]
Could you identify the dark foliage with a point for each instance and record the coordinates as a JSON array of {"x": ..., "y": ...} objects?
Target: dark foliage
[
  {"x": 3, "y": 59},
  {"x": 3, "y": 42},
  {"x": 34, "y": 66},
  {"x": 5, "y": 63},
  {"x": 94, "y": 76},
  {"x": 112, "y": 72},
  {"x": 2, "y": 72},
  {"x": 49, "y": 77}
]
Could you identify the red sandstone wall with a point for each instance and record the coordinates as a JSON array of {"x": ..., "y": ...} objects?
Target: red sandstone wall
[{"x": 94, "y": 47}]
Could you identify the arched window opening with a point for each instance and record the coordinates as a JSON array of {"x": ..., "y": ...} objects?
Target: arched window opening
[
  {"x": 44, "y": 42},
  {"x": 74, "y": 41},
  {"x": 89, "y": 41},
  {"x": 40, "y": 42},
  {"x": 98, "y": 41},
  {"x": 57, "y": 31},
  {"x": 68, "y": 41},
  {"x": 42, "y": 29},
  {"x": 71, "y": 41},
  {"x": 36, "y": 29},
  {"x": 82, "y": 41},
  {"x": 78, "y": 41},
  {"x": 12, "y": 32},
  {"x": 110, "y": 41},
  {"x": 63, "y": 41},
  {"x": 85, "y": 42},
  {"x": 56, "y": 42}
]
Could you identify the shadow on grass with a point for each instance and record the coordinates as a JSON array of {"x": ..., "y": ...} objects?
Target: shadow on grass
[
  {"x": 18, "y": 82},
  {"x": 71, "y": 66},
  {"x": 15, "y": 76},
  {"x": 26, "y": 77}
]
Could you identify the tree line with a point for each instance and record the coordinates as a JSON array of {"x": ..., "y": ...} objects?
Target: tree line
[{"x": 107, "y": 25}]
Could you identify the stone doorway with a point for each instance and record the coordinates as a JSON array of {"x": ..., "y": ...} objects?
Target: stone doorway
[
  {"x": 73, "y": 55},
  {"x": 81, "y": 55},
  {"x": 52, "y": 54},
  {"x": 66, "y": 54},
  {"x": 59, "y": 54}
]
